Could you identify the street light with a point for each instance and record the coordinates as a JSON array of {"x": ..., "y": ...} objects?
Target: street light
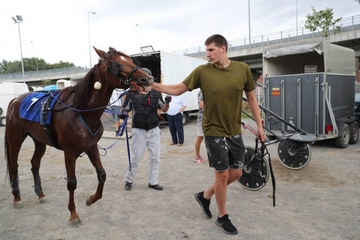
[
  {"x": 249, "y": 22},
  {"x": 89, "y": 35},
  {"x": 296, "y": 17},
  {"x": 140, "y": 34},
  {"x": 18, "y": 20}
]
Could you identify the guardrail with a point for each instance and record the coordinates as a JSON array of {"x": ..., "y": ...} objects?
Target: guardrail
[
  {"x": 346, "y": 24},
  {"x": 44, "y": 74}
]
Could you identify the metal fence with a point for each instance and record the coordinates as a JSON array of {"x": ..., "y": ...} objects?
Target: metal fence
[
  {"x": 43, "y": 74},
  {"x": 346, "y": 24}
]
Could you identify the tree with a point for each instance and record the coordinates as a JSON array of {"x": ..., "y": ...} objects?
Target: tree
[
  {"x": 323, "y": 20},
  {"x": 358, "y": 1},
  {"x": 31, "y": 64}
]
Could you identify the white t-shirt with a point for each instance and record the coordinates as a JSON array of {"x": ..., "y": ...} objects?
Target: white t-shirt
[
  {"x": 114, "y": 100},
  {"x": 176, "y": 103}
]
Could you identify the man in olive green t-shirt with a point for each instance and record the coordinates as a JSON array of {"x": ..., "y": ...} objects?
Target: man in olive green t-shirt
[{"x": 222, "y": 83}]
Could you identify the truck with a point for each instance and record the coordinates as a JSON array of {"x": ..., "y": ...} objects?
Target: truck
[
  {"x": 312, "y": 85},
  {"x": 8, "y": 91},
  {"x": 170, "y": 68}
]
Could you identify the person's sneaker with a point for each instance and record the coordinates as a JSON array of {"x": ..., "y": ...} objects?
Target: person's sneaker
[
  {"x": 199, "y": 159},
  {"x": 128, "y": 186},
  {"x": 156, "y": 187},
  {"x": 225, "y": 224},
  {"x": 204, "y": 203}
]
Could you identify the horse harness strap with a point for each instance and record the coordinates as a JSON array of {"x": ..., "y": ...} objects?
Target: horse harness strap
[
  {"x": 91, "y": 133},
  {"x": 45, "y": 110}
]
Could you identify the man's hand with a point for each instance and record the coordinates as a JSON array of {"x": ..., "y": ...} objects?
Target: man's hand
[
  {"x": 123, "y": 114},
  {"x": 261, "y": 134},
  {"x": 167, "y": 99}
]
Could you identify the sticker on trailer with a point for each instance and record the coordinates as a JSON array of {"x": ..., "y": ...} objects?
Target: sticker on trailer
[{"x": 275, "y": 92}]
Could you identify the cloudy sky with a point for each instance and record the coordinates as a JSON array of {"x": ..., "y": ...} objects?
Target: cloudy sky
[{"x": 58, "y": 30}]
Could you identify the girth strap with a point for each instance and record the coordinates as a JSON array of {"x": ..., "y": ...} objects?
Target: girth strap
[{"x": 45, "y": 110}]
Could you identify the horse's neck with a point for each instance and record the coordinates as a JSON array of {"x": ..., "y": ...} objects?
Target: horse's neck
[{"x": 97, "y": 101}]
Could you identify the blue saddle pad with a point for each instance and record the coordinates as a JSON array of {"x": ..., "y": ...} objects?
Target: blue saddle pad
[{"x": 31, "y": 106}]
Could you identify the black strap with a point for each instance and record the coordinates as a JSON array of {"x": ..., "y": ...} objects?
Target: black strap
[{"x": 262, "y": 153}]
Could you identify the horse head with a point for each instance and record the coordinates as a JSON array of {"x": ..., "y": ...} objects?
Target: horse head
[{"x": 123, "y": 71}]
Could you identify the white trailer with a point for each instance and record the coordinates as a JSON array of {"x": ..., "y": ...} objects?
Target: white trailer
[
  {"x": 170, "y": 68},
  {"x": 8, "y": 91}
]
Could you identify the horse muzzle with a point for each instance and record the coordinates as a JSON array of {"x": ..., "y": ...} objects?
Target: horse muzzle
[{"x": 146, "y": 81}]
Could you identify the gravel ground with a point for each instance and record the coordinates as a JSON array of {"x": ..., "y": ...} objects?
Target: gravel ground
[{"x": 320, "y": 201}]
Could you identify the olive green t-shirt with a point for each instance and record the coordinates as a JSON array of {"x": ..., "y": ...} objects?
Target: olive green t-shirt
[{"x": 222, "y": 95}]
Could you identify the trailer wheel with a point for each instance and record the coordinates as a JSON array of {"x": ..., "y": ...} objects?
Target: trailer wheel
[
  {"x": 185, "y": 118},
  {"x": 2, "y": 121},
  {"x": 254, "y": 177},
  {"x": 354, "y": 132},
  {"x": 342, "y": 141},
  {"x": 294, "y": 155}
]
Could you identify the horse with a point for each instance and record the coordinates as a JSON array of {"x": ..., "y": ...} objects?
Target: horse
[{"x": 74, "y": 127}]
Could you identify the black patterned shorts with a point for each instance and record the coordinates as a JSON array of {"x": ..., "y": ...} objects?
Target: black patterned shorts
[{"x": 224, "y": 153}]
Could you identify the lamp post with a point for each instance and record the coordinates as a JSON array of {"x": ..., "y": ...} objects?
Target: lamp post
[
  {"x": 249, "y": 22},
  {"x": 89, "y": 35},
  {"x": 296, "y": 17},
  {"x": 140, "y": 34},
  {"x": 18, "y": 20}
]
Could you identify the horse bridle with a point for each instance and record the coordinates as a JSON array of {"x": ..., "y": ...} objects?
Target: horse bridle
[{"x": 113, "y": 69}]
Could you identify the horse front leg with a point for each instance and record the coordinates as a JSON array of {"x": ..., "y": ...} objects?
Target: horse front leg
[
  {"x": 94, "y": 157},
  {"x": 35, "y": 163},
  {"x": 70, "y": 163}
]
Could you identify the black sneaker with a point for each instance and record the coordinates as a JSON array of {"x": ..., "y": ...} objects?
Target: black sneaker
[
  {"x": 128, "y": 186},
  {"x": 156, "y": 187},
  {"x": 225, "y": 224},
  {"x": 204, "y": 203}
]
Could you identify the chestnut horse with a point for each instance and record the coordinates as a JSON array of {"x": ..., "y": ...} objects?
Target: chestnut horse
[{"x": 75, "y": 125}]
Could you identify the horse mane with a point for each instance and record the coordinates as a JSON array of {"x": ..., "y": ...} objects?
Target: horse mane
[{"x": 82, "y": 88}]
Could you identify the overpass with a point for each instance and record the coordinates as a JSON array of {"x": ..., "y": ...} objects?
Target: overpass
[
  {"x": 36, "y": 78},
  {"x": 239, "y": 50},
  {"x": 251, "y": 53}
]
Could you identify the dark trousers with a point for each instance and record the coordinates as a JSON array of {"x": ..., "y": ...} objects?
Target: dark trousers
[{"x": 176, "y": 128}]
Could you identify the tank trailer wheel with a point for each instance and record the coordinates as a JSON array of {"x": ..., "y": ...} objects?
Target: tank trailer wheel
[
  {"x": 354, "y": 132},
  {"x": 343, "y": 140}
]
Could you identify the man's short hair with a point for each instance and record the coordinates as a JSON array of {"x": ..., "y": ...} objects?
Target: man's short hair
[{"x": 218, "y": 40}]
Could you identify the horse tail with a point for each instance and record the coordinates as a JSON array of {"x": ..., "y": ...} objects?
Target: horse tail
[
  {"x": 6, "y": 142},
  {"x": 6, "y": 149}
]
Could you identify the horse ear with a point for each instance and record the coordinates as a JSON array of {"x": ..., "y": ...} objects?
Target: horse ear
[{"x": 99, "y": 52}]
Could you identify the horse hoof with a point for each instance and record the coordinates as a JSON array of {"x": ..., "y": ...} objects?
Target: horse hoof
[
  {"x": 76, "y": 222},
  {"x": 43, "y": 200},
  {"x": 88, "y": 202},
  {"x": 18, "y": 204}
]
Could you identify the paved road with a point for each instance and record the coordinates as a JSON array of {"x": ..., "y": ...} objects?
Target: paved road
[{"x": 320, "y": 201}]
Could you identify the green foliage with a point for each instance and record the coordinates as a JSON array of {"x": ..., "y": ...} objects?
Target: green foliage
[
  {"x": 31, "y": 64},
  {"x": 323, "y": 20},
  {"x": 46, "y": 82}
]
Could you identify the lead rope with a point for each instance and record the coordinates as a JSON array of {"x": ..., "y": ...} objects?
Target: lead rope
[
  {"x": 262, "y": 153},
  {"x": 122, "y": 128}
]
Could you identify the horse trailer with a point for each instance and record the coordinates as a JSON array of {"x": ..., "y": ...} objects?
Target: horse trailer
[{"x": 312, "y": 85}]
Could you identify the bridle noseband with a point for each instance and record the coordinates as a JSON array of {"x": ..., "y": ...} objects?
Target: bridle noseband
[
  {"x": 114, "y": 70},
  {"x": 128, "y": 77}
]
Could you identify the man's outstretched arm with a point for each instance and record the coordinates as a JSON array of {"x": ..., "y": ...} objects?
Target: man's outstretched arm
[{"x": 174, "y": 89}]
